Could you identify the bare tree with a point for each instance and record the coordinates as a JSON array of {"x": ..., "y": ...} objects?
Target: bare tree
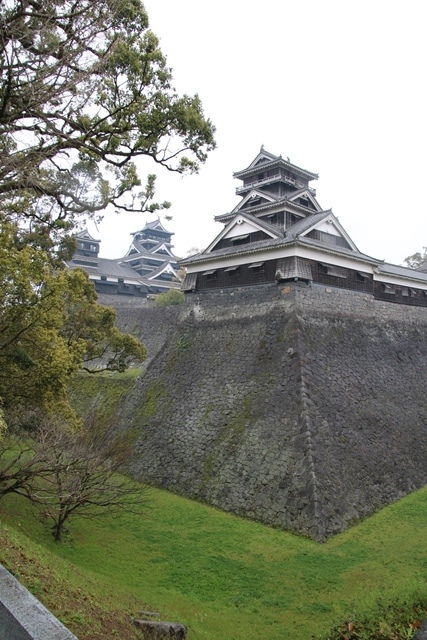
[{"x": 65, "y": 472}]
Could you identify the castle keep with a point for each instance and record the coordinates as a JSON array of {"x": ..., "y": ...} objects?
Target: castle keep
[
  {"x": 149, "y": 266},
  {"x": 290, "y": 386},
  {"x": 279, "y": 232}
]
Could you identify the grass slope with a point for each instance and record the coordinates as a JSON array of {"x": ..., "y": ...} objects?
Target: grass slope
[{"x": 224, "y": 577}]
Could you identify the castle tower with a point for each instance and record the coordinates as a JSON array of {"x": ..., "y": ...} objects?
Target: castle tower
[
  {"x": 150, "y": 253},
  {"x": 86, "y": 245}
]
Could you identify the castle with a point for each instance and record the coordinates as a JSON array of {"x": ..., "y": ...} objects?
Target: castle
[
  {"x": 278, "y": 232},
  {"x": 288, "y": 388},
  {"x": 149, "y": 266}
]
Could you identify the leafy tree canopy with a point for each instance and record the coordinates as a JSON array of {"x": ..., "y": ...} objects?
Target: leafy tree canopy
[
  {"x": 417, "y": 259},
  {"x": 84, "y": 92},
  {"x": 50, "y": 326}
]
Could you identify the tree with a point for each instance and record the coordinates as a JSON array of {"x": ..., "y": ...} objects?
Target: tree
[
  {"x": 84, "y": 92},
  {"x": 417, "y": 259},
  {"x": 85, "y": 477},
  {"x": 66, "y": 472},
  {"x": 21, "y": 463},
  {"x": 51, "y": 326}
]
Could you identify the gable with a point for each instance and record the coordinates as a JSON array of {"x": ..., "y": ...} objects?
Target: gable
[
  {"x": 166, "y": 269},
  {"x": 163, "y": 250},
  {"x": 239, "y": 231},
  {"x": 85, "y": 235},
  {"x": 254, "y": 198},
  {"x": 305, "y": 195},
  {"x": 262, "y": 158},
  {"x": 329, "y": 231}
]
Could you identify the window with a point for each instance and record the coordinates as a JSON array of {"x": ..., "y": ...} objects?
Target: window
[
  {"x": 232, "y": 271},
  {"x": 332, "y": 270},
  {"x": 388, "y": 288},
  {"x": 361, "y": 277},
  {"x": 210, "y": 275},
  {"x": 328, "y": 238},
  {"x": 408, "y": 292},
  {"x": 257, "y": 267},
  {"x": 240, "y": 239}
]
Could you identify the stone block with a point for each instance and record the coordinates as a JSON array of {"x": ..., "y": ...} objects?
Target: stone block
[
  {"x": 422, "y": 632},
  {"x": 23, "y": 617},
  {"x": 157, "y": 630}
]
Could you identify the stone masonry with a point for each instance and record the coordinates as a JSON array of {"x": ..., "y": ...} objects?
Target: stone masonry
[{"x": 303, "y": 407}]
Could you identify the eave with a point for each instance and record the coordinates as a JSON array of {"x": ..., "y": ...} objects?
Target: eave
[
  {"x": 225, "y": 217},
  {"x": 270, "y": 165},
  {"x": 274, "y": 245}
]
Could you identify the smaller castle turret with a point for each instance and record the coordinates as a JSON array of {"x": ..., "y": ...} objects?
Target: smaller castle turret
[{"x": 87, "y": 245}]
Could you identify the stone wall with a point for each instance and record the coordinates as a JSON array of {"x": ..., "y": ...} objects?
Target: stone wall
[
  {"x": 300, "y": 406},
  {"x": 144, "y": 319}
]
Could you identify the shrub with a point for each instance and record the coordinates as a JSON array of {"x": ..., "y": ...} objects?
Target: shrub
[{"x": 173, "y": 296}]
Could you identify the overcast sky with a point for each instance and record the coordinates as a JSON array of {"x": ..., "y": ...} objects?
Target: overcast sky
[{"x": 338, "y": 86}]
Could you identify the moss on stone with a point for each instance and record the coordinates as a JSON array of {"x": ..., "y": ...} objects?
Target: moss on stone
[{"x": 101, "y": 394}]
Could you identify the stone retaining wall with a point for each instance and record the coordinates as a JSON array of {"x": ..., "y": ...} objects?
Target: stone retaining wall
[{"x": 299, "y": 406}]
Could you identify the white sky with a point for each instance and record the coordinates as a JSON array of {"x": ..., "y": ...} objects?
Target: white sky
[{"x": 338, "y": 86}]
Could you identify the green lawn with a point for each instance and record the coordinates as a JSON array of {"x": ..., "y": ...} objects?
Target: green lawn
[{"x": 229, "y": 578}]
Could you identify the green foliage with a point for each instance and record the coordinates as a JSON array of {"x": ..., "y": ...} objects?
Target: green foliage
[
  {"x": 50, "y": 326},
  {"x": 100, "y": 395},
  {"x": 227, "y": 577},
  {"x": 168, "y": 298},
  {"x": 84, "y": 91},
  {"x": 385, "y": 620},
  {"x": 417, "y": 259}
]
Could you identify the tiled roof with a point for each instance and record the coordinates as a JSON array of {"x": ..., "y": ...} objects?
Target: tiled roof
[
  {"x": 104, "y": 267},
  {"x": 402, "y": 272},
  {"x": 292, "y": 235},
  {"x": 305, "y": 224},
  {"x": 85, "y": 235},
  {"x": 224, "y": 217},
  {"x": 273, "y": 160},
  {"x": 155, "y": 225},
  {"x": 263, "y": 224},
  {"x": 343, "y": 251}
]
